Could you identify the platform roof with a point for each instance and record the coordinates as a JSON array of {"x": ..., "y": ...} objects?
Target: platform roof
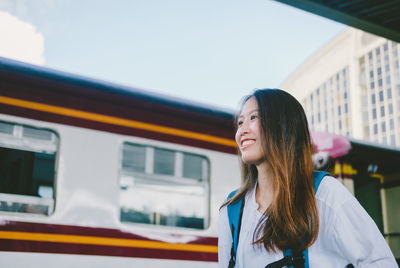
[{"x": 379, "y": 17}]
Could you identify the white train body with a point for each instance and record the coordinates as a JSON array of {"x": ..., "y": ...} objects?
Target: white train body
[{"x": 75, "y": 219}]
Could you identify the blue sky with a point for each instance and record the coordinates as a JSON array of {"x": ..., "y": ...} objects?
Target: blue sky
[{"x": 210, "y": 51}]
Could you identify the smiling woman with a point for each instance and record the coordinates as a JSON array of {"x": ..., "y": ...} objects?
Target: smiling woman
[
  {"x": 293, "y": 216},
  {"x": 248, "y": 133}
]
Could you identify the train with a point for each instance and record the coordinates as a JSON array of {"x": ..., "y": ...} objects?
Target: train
[{"x": 95, "y": 174}]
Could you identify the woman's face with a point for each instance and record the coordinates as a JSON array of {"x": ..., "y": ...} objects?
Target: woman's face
[{"x": 248, "y": 134}]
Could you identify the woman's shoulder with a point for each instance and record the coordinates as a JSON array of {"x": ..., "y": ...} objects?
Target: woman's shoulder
[{"x": 332, "y": 193}]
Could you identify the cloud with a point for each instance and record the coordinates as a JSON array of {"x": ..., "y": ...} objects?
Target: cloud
[{"x": 20, "y": 40}]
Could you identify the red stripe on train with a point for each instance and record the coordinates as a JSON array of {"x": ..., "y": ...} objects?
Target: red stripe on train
[
  {"x": 66, "y": 120},
  {"x": 98, "y": 250},
  {"x": 103, "y": 250}
]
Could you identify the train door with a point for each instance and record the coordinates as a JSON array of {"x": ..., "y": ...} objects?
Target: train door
[{"x": 367, "y": 191}]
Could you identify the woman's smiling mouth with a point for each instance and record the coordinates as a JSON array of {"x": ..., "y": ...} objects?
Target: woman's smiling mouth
[{"x": 246, "y": 143}]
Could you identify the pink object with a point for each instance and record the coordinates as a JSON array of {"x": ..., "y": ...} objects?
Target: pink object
[{"x": 335, "y": 145}]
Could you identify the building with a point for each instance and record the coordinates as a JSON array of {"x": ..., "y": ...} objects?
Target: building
[{"x": 351, "y": 86}]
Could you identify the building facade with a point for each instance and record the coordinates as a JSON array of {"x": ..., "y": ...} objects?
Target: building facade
[{"x": 351, "y": 87}]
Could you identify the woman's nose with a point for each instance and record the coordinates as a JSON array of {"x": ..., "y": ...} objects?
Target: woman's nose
[{"x": 244, "y": 129}]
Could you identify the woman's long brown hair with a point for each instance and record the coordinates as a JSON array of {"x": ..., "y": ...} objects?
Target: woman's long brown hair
[{"x": 292, "y": 218}]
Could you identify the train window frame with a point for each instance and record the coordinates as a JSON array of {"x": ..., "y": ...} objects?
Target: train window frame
[
  {"x": 40, "y": 147},
  {"x": 176, "y": 182}
]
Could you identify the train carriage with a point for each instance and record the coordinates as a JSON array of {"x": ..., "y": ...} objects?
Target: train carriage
[
  {"x": 93, "y": 174},
  {"x": 93, "y": 169}
]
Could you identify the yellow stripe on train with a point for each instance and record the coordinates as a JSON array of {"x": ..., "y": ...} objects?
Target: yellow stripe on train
[
  {"x": 115, "y": 120},
  {"x": 105, "y": 241}
]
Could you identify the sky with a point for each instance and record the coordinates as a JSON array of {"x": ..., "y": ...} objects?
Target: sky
[{"x": 207, "y": 51}]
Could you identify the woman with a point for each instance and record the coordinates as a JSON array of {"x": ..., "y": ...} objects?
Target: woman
[{"x": 280, "y": 209}]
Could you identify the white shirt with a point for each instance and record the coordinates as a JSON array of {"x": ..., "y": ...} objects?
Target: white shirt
[{"x": 347, "y": 234}]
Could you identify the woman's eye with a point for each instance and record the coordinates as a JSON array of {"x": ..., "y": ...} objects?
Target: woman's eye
[
  {"x": 253, "y": 117},
  {"x": 239, "y": 123}
]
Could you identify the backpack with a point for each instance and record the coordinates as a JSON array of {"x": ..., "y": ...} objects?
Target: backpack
[{"x": 291, "y": 259}]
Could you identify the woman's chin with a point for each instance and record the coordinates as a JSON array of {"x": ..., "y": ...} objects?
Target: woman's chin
[{"x": 252, "y": 160}]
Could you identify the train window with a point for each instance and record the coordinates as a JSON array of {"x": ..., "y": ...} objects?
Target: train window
[
  {"x": 6, "y": 128},
  {"x": 164, "y": 161},
  {"x": 134, "y": 158},
  {"x": 27, "y": 169},
  {"x": 169, "y": 188},
  {"x": 194, "y": 167}
]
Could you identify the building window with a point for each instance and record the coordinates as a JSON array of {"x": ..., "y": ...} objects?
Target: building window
[
  {"x": 27, "y": 168},
  {"x": 383, "y": 125},
  {"x": 339, "y": 110},
  {"x": 373, "y": 101},
  {"x": 366, "y": 132},
  {"x": 371, "y": 74},
  {"x": 160, "y": 186},
  {"x": 346, "y": 108},
  {"x": 389, "y": 93},
  {"x": 365, "y": 116},
  {"x": 397, "y": 76},
  {"x": 340, "y": 124},
  {"x": 375, "y": 128},
  {"x": 390, "y": 108},
  {"x": 387, "y": 68},
  {"x": 374, "y": 113},
  {"x": 380, "y": 82},
  {"x": 379, "y": 70},
  {"x": 372, "y": 85},
  {"x": 391, "y": 122},
  {"x": 392, "y": 140},
  {"x": 381, "y": 96},
  {"x": 378, "y": 51},
  {"x": 388, "y": 80},
  {"x": 382, "y": 111},
  {"x": 385, "y": 47}
]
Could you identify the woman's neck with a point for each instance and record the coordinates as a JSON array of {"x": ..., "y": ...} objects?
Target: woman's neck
[{"x": 265, "y": 187}]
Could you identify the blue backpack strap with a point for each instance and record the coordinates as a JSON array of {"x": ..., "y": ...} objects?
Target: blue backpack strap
[
  {"x": 234, "y": 216},
  {"x": 233, "y": 212},
  {"x": 318, "y": 176}
]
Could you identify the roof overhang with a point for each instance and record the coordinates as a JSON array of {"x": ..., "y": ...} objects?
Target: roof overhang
[{"x": 375, "y": 16}]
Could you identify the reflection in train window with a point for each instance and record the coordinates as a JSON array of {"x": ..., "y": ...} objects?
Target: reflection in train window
[
  {"x": 164, "y": 187},
  {"x": 27, "y": 168}
]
